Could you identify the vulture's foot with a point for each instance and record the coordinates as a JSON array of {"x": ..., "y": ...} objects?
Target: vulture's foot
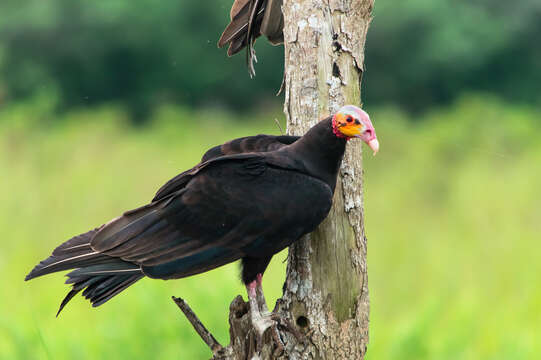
[{"x": 263, "y": 320}]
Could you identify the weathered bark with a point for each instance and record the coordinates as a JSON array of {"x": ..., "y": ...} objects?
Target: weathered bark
[
  {"x": 326, "y": 277},
  {"x": 326, "y": 293}
]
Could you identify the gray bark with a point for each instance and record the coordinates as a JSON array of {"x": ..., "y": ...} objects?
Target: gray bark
[
  {"x": 326, "y": 293},
  {"x": 326, "y": 278}
]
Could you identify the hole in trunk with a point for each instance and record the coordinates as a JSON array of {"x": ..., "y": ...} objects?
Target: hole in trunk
[
  {"x": 335, "y": 70},
  {"x": 302, "y": 321}
]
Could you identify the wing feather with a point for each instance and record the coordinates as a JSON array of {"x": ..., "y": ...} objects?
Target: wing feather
[
  {"x": 228, "y": 210},
  {"x": 249, "y": 144}
]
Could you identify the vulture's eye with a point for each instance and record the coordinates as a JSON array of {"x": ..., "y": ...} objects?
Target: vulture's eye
[{"x": 349, "y": 119}]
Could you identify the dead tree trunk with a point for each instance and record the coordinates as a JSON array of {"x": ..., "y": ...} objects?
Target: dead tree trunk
[
  {"x": 326, "y": 292},
  {"x": 326, "y": 287}
]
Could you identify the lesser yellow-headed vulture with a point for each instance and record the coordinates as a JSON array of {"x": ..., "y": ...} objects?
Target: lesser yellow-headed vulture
[{"x": 248, "y": 199}]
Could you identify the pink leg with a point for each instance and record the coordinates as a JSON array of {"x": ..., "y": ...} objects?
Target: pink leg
[
  {"x": 251, "y": 289},
  {"x": 260, "y": 296},
  {"x": 252, "y": 296},
  {"x": 260, "y": 321}
]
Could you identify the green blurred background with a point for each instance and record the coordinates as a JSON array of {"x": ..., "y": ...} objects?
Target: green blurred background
[{"x": 101, "y": 102}]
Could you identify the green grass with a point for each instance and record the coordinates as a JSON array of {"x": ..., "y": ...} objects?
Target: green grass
[{"x": 453, "y": 218}]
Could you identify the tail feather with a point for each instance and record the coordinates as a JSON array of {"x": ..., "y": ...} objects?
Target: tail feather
[
  {"x": 240, "y": 16},
  {"x": 77, "y": 243},
  {"x": 77, "y": 287},
  {"x": 76, "y": 252},
  {"x": 98, "y": 289},
  {"x": 119, "y": 268},
  {"x": 59, "y": 263},
  {"x": 121, "y": 282},
  {"x": 249, "y": 20},
  {"x": 243, "y": 29},
  {"x": 100, "y": 276}
]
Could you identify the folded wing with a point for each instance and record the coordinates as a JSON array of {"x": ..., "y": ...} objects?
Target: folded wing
[
  {"x": 258, "y": 143},
  {"x": 230, "y": 210}
]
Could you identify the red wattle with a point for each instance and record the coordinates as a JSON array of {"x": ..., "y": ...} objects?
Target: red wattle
[{"x": 336, "y": 131}]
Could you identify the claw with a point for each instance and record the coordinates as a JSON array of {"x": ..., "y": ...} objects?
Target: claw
[
  {"x": 262, "y": 319},
  {"x": 261, "y": 323}
]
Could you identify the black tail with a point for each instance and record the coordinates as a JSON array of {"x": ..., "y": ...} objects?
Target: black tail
[
  {"x": 101, "y": 285},
  {"x": 103, "y": 276}
]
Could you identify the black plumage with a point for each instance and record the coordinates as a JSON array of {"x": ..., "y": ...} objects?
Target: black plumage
[
  {"x": 248, "y": 199},
  {"x": 258, "y": 143}
]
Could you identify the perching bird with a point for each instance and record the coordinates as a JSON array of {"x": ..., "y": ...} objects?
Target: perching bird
[
  {"x": 249, "y": 20},
  {"x": 248, "y": 199}
]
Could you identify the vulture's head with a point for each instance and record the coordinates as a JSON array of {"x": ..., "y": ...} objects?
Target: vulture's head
[{"x": 352, "y": 122}]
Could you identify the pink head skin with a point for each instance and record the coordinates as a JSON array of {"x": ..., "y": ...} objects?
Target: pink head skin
[{"x": 353, "y": 122}]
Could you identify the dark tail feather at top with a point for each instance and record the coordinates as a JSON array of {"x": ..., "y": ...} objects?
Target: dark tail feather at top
[
  {"x": 103, "y": 276},
  {"x": 244, "y": 28},
  {"x": 249, "y": 20}
]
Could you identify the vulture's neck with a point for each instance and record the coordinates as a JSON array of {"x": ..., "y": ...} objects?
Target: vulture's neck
[{"x": 321, "y": 151}]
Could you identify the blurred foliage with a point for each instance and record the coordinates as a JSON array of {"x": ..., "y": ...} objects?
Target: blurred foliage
[
  {"x": 423, "y": 52},
  {"x": 452, "y": 201},
  {"x": 452, "y": 206},
  {"x": 139, "y": 52},
  {"x": 143, "y": 53}
]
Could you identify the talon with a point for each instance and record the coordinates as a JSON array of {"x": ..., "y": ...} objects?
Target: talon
[
  {"x": 262, "y": 319},
  {"x": 261, "y": 324}
]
